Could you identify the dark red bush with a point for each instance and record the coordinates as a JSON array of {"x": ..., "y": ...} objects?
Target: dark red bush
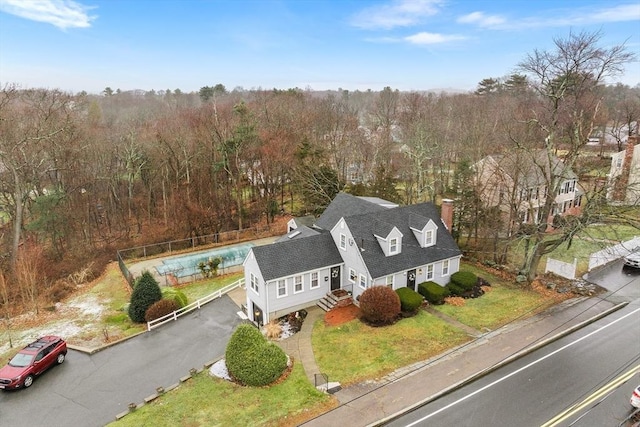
[
  {"x": 379, "y": 306},
  {"x": 159, "y": 309}
]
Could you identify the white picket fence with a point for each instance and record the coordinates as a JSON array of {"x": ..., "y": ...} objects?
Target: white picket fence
[{"x": 193, "y": 306}]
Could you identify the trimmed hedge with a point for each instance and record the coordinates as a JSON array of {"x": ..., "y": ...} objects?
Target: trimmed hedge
[
  {"x": 379, "y": 305},
  {"x": 433, "y": 292},
  {"x": 464, "y": 279},
  {"x": 176, "y": 295},
  {"x": 251, "y": 359},
  {"x": 145, "y": 292},
  {"x": 455, "y": 290},
  {"x": 410, "y": 300}
]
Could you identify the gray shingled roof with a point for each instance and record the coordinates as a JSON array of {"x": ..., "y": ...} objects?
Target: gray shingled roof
[
  {"x": 298, "y": 233},
  {"x": 345, "y": 205},
  {"x": 412, "y": 254},
  {"x": 282, "y": 259}
]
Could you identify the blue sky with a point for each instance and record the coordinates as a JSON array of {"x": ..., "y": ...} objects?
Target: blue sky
[{"x": 88, "y": 45}]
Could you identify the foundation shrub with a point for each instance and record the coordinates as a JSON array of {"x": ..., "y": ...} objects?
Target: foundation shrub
[
  {"x": 379, "y": 306},
  {"x": 433, "y": 292},
  {"x": 410, "y": 300},
  {"x": 464, "y": 279}
]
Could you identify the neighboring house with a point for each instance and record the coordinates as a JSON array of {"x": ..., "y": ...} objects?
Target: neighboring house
[
  {"x": 356, "y": 243},
  {"x": 518, "y": 184},
  {"x": 624, "y": 176}
]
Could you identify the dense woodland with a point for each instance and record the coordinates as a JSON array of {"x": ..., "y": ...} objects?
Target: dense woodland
[{"x": 82, "y": 175}]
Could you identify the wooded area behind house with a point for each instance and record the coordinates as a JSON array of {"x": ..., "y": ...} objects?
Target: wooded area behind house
[{"x": 83, "y": 175}]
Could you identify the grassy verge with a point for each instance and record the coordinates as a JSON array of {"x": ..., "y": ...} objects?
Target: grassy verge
[
  {"x": 366, "y": 352},
  {"x": 209, "y": 401},
  {"x": 504, "y": 303}
]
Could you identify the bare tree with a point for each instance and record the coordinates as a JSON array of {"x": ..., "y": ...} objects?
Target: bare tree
[{"x": 568, "y": 81}]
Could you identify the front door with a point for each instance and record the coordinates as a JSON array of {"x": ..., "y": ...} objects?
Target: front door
[
  {"x": 257, "y": 315},
  {"x": 335, "y": 278},
  {"x": 411, "y": 279}
]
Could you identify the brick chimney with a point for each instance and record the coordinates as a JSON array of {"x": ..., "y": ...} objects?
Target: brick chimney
[
  {"x": 446, "y": 213},
  {"x": 622, "y": 181}
]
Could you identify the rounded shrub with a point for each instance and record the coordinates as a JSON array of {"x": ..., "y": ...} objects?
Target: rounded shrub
[
  {"x": 464, "y": 279},
  {"x": 410, "y": 300},
  {"x": 159, "y": 309},
  {"x": 379, "y": 305},
  {"x": 251, "y": 359},
  {"x": 176, "y": 295},
  {"x": 455, "y": 290},
  {"x": 145, "y": 292},
  {"x": 433, "y": 292}
]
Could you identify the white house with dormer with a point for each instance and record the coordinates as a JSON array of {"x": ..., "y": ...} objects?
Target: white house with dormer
[{"x": 355, "y": 244}]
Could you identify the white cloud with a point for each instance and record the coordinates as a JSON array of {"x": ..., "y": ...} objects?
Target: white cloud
[
  {"x": 560, "y": 18},
  {"x": 398, "y": 13},
  {"x": 481, "y": 19},
  {"x": 424, "y": 38},
  {"x": 60, "y": 13}
]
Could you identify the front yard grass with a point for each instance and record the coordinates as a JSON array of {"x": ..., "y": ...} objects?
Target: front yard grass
[
  {"x": 503, "y": 303},
  {"x": 211, "y": 401},
  {"x": 353, "y": 351}
]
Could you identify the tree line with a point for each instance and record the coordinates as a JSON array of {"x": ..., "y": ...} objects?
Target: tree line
[{"x": 84, "y": 174}]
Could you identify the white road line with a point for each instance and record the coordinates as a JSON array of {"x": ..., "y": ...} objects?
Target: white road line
[{"x": 426, "y": 417}]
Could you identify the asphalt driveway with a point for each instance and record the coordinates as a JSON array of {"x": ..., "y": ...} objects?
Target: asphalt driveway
[{"x": 90, "y": 390}]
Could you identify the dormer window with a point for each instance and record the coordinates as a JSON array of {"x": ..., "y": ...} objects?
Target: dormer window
[
  {"x": 428, "y": 238},
  {"x": 394, "y": 246}
]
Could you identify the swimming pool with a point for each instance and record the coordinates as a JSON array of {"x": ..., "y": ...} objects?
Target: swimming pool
[{"x": 187, "y": 265}]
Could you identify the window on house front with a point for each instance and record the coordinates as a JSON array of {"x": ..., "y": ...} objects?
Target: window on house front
[
  {"x": 430, "y": 272},
  {"x": 314, "y": 280},
  {"x": 428, "y": 238},
  {"x": 393, "y": 246},
  {"x": 389, "y": 281},
  {"x": 352, "y": 275},
  {"x": 445, "y": 267},
  {"x": 253, "y": 279},
  {"x": 297, "y": 284},
  {"x": 363, "y": 281},
  {"x": 282, "y": 288},
  {"x": 343, "y": 242}
]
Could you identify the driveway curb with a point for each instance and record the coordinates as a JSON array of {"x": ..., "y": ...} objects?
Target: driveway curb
[{"x": 500, "y": 364}]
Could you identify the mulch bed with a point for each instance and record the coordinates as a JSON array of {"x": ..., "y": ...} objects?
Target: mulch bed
[{"x": 340, "y": 315}]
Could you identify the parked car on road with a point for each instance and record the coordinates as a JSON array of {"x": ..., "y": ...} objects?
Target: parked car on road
[
  {"x": 632, "y": 260},
  {"x": 31, "y": 361},
  {"x": 635, "y": 398}
]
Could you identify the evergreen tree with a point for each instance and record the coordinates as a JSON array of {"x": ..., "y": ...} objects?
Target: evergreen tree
[{"x": 145, "y": 292}]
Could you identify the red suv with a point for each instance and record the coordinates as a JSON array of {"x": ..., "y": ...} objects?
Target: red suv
[{"x": 31, "y": 361}]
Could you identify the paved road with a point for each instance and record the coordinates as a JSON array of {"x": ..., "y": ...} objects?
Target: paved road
[
  {"x": 92, "y": 390},
  {"x": 534, "y": 389},
  {"x": 537, "y": 387}
]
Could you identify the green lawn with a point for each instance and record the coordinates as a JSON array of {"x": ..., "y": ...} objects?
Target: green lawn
[
  {"x": 210, "y": 401},
  {"x": 504, "y": 303},
  {"x": 204, "y": 287},
  {"x": 353, "y": 352}
]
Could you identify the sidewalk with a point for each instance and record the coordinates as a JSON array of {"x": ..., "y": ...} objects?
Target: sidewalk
[{"x": 370, "y": 403}]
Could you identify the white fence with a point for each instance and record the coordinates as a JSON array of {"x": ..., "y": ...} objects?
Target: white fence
[
  {"x": 612, "y": 253},
  {"x": 561, "y": 268},
  {"x": 193, "y": 306}
]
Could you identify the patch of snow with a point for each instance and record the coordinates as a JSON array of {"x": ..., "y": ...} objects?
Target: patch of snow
[
  {"x": 287, "y": 331},
  {"x": 219, "y": 369},
  {"x": 88, "y": 305}
]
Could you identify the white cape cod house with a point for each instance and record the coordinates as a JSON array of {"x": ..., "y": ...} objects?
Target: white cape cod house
[{"x": 356, "y": 243}]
